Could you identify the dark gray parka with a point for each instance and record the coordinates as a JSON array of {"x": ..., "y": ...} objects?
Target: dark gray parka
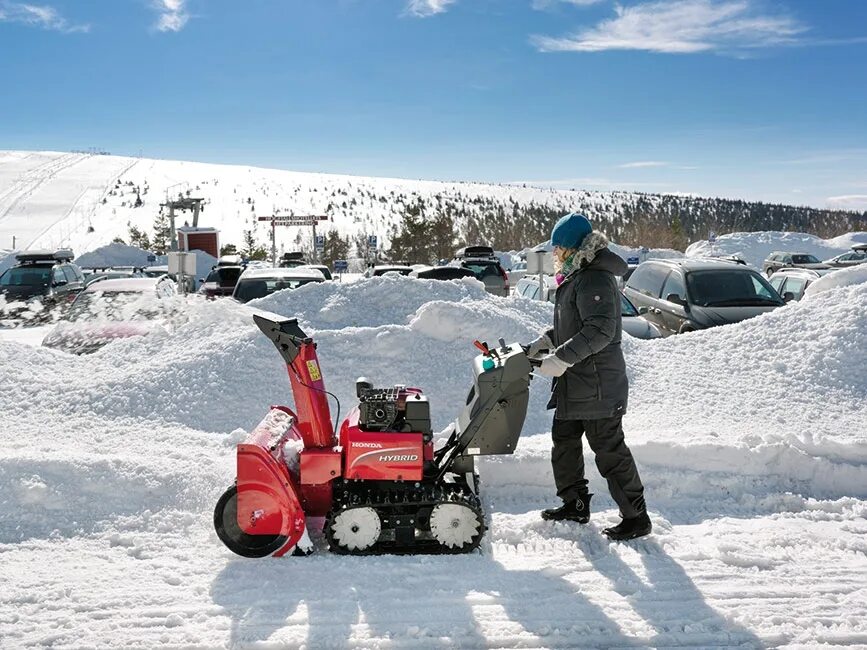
[{"x": 587, "y": 334}]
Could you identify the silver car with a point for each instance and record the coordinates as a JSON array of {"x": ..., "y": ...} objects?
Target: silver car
[{"x": 634, "y": 323}]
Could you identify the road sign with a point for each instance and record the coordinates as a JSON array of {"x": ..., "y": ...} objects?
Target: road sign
[
  {"x": 294, "y": 219},
  {"x": 152, "y": 258},
  {"x": 320, "y": 242},
  {"x": 633, "y": 260},
  {"x": 371, "y": 241},
  {"x": 711, "y": 237},
  {"x": 341, "y": 265}
]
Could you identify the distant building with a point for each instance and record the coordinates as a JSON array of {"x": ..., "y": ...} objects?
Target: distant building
[{"x": 191, "y": 238}]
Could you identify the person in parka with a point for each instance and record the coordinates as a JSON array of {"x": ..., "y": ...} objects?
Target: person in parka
[{"x": 590, "y": 388}]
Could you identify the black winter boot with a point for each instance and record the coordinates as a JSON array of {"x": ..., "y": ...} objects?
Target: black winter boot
[
  {"x": 577, "y": 510},
  {"x": 630, "y": 528}
]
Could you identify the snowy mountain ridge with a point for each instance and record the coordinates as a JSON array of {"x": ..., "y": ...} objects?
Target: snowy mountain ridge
[{"x": 85, "y": 201}]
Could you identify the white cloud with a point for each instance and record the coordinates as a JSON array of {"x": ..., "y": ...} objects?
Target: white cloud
[
  {"x": 849, "y": 201},
  {"x": 545, "y": 4},
  {"x": 173, "y": 15},
  {"x": 643, "y": 163},
  {"x": 681, "y": 27},
  {"x": 425, "y": 8},
  {"x": 41, "y": 16}
]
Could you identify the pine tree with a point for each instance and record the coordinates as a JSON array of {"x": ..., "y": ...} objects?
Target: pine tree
[
  {"x": 162, "y": 234},
  {"x": 138, "y": 238}
]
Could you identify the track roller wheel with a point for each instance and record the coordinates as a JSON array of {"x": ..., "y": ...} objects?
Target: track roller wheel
[
  {"x": 354, "y": 530},
  {"x": 456, "y": 526}
]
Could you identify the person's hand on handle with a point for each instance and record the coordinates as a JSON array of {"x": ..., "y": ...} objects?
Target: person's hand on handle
[
  {"x": 540, "y": 345},
  {"x": 552, "y": 366}
]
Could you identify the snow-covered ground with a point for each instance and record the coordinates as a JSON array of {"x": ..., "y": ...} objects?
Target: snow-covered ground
[
  {"x": 754, "y": 247},
  {"x": 750, "y": 439}
]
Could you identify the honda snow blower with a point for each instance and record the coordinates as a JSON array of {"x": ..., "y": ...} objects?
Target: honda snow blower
[{"x": 378, "y": 482}]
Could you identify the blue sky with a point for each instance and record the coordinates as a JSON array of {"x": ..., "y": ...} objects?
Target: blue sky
[{"x": 759, "y": 99}]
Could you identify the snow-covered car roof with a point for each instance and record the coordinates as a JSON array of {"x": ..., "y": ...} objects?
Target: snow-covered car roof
[
  {"x": 278, "y": 272},
  {"x": 126, "y": 285},
  {"x": 810, "y": 273}
]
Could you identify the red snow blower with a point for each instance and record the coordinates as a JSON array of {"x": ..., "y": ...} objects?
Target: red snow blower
[{"x": 379, "y": 483}]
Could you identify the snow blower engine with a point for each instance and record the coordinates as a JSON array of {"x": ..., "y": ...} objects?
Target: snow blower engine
[{"x": 379, "y": 483}]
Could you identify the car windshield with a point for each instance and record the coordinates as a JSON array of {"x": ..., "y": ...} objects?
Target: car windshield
[
  {"x": 804, "y": 259},
  {"x": 253, "y": 288},
  {"x": 730, "y": 288},
  {"x": 116, "y": 306},
  {"x": 26, "y": 276},
  {"x": 225, "y": 276}
]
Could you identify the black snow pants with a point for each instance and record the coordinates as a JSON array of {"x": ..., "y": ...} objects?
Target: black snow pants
[{"x": 613, "y": 459}]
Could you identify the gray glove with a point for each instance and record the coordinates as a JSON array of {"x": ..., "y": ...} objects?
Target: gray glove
[
  {"x": 543, "y": 343},
  {"x": 553, "y": 366}
]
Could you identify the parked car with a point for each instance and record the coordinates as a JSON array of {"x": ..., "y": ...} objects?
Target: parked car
[
  {"x": 791, "y": 283},
  {"x": 441, "y": 273},
  {"x": 290, "y": 260},
  {"x": 221, "y": 281},
  {"x": 382, "y": 269},
  {"x": 113, "y": 273},
  {"x": 113, "y": 309},
  {"x": 691, "y": 294},
  {"x": 634, "y": 323},
  {"x": 258, "y": 283},
  {"x": 780, "y": 260},
  {"x": 485, "y": 265},
  {"x": 322, "y": 268},
  {"x": 518, "y": 271},
  {"x": 858, "y": 255},
  {"x": 40, "y": 284}
]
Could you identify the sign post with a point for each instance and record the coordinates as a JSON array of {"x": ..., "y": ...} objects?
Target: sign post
[{"x": 290, "y": 220}]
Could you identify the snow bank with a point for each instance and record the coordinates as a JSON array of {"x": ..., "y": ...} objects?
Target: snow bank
[
  {"x": 115, "y": 254},
  {"x": 754, "y": 247},
  {"x": 842, "y": 278}
]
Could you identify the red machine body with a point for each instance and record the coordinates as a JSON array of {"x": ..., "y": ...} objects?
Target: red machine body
[{"x": 380, "y": 456}]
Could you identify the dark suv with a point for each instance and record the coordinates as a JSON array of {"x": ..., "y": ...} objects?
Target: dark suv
[
  {"x": 40, "y": 282},
  {"x": 782, "y": 260},
  {"x": 485, "y": 265},
  {"x": 692, "y": 294}
]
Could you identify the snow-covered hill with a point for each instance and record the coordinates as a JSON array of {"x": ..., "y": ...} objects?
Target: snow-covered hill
[
  {"x": 85, "y": 201},
  {"x": 750, "y": 439}
]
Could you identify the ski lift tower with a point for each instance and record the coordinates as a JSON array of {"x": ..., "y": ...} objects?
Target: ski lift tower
[{"x": 182, "y": 203}]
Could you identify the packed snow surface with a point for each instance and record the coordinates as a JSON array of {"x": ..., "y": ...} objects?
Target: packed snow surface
[{"x": 750, "y": 439}]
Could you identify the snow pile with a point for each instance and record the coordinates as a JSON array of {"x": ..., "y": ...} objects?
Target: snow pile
[
  {"x": 750, "y": 439},
  {"x": 115, "y": 254},
  {"x": 842, "y": 278},
  {"x": 754, "y": 247}
]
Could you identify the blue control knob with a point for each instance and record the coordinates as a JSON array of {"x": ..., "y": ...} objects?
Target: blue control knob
[{"x": 488, "y": 363}]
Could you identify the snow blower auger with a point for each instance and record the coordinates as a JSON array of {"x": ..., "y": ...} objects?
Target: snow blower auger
[{"x": 381, "y": 486}]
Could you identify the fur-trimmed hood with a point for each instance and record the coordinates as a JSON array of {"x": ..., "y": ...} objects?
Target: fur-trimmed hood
[{"x": 594, "y": 253}]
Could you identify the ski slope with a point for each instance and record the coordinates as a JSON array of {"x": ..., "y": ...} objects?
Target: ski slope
[
  {"x": 85, "y": 201},
  {"x": 750, "y": 439}
]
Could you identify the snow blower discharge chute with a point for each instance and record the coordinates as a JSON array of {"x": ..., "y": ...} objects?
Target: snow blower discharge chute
[{"x": 378, "y": 482}]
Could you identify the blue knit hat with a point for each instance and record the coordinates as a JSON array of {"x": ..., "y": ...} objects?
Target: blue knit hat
[{"x": 570, "y": 230}]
